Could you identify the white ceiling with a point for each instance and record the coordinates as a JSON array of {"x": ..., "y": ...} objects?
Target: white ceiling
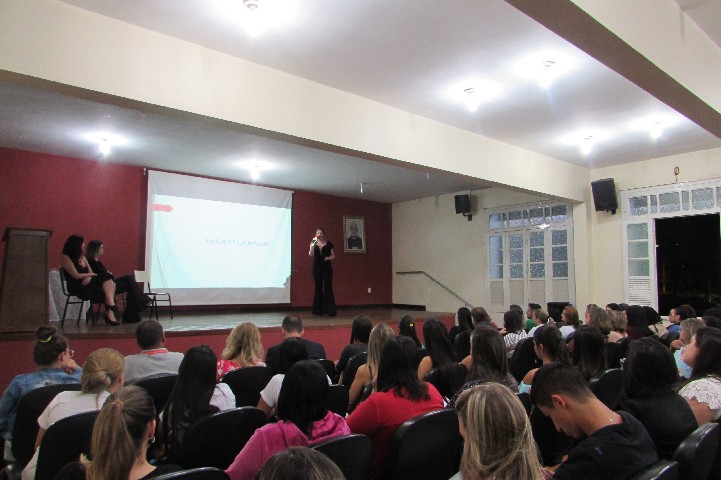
[{"x": 403, "y": 53}]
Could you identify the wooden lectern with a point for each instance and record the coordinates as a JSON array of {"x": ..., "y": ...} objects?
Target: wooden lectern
[{"x": 24, "y": 285}]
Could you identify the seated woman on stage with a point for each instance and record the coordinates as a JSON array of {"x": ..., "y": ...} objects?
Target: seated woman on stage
[
  {"x": 242, "y": 349},
  {"x": 136, "y": 300},
  {"x": 83, "y": 282}
]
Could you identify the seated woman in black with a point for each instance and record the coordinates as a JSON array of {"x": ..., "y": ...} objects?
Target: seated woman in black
[
  {"x": 650, "y": 375},
  {"x": 136, "y": 300},
  {"x": 83, "y": 282}
]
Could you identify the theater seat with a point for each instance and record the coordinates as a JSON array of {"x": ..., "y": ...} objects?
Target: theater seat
[
  {"x": 662, "y": 470},
  {"x": 696, "y": 454},
  {"x": 352, "y": 454}
]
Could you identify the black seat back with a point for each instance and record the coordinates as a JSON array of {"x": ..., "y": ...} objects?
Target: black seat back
[
  {"x": 31, "y": 405},
  {"x": 425, "y": 447},
  {"x": 159, "y": 387},
  {"x": 205, "y": 473},
  {"x": 352, "y": 454},
  {"x": 215, "y": 440},
  {"x": 608, "y": 386},
  {"x": 63, "y": 443},
  {"x": 447, "y": 380},
  {"x": 525, "y": 399},
  {"x": 247, "y": 383},
  {"x": 552, "y": 444},
  {"x": 662, "y": 470},
  {"x": 329, "y": 367},
  {"x": 353, "y": 364},
  {"x": 338, "y": 399},
  {"x": 696, "y": 454},
  {"x": 613, "y": 354},
  {"x": 524, "y": 359}
]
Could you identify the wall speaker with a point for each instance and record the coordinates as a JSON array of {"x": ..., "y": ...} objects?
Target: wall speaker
[
  {"x": 463, "y": 203},
  {"x": 604, "y": 195}
]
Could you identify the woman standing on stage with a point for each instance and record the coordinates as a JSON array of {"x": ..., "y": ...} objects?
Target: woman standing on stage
[{"x": 322, "y": 252}]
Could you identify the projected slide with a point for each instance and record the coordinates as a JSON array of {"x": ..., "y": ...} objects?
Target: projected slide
[{"x": 222, "y": 243}]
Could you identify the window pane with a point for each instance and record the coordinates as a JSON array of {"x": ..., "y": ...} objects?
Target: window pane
[
  {"x": 637, "y": 249},
  {"x": 514, "y": 219},
  {"x": 702, "y": 198},
  {"x": 560, "y": 270},
  {"x": 638, "y": 268},
  {"x": 497, "y": 257},
  {"x": 538, "y": 270},
  {"x": 638, "y": 205},
  {"x": 496, "y": 241},
  {"x": 494, "y": 220},
  {"x": 525, "y": 217},
  {"x": 638, "y": 231},
  {"x": 654, "y": 204},
  {"x": 515, "y": 241},
  {"x": 536, "y": 255},
  {"x": 496, "y": 272},
  {"x": 669, "y": 202},
  {"x": 559, "y": 237},
  {"x": 547, "y": 215},
  {"x": 537, "y": 239},
  {"x": 516, "y": 271},
  {"x": 718, "y": 196},
  {"x": 684, "y": 200},
  {"x": 559, "y": 253},
  {"x": 516, "y": 255},
  {"x": 536, "y": 215},
  {"x": 559, "y": 213}
]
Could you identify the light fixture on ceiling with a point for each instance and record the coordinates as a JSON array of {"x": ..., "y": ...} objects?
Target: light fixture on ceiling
[
  {"x": 251, "y": 5},
  {"x": 656, "y": 130},
  {"x": 104, "y": 147},
  {"x": 547, "y": 73},
  {"x": 255, "y": 173},
  {"x": 471, "y": 99},
  {"x": 361, "y": 187},
  {"x": 587, "y": 145}
]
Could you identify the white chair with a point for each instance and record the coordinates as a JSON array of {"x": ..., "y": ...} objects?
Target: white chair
[{"x": 141, "y": 276}]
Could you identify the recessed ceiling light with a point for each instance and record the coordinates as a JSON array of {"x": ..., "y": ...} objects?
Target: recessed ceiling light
[
  {"x": 104, "y": 147},
  {"x": 545, "y": 66},
  {"x": 587, "y": 145},
  {"x": 258, "y": 16},
  {"x": 656, "y": 130},
  {"x": 474, "y": 93}
]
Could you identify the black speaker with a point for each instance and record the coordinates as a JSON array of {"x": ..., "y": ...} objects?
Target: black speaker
[
  {"x": 463, "y": 203},
  {"x": 604, "y": 195}
]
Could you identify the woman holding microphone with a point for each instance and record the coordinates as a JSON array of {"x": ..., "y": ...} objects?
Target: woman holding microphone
[{"x": 322, "y": 252}]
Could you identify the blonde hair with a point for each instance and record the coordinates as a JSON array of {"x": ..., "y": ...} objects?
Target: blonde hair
[
  {"x": 499, "y": 442},
  {"x": 119, "y": 434},
  {"x": 102, "y": 368},
  {"x": 243, "y": 344},
  {"x": 380, "y": 334}
]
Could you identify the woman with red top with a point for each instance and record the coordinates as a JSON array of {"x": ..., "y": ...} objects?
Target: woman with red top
[
  {"x": 399, "y": 396},
  {"x": 242, "y": 349}
]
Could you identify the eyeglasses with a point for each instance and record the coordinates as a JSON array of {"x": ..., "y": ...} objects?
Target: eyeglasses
[{"x": 70, "y": 353}]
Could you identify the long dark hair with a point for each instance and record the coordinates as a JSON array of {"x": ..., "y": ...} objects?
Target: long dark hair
[
  {"x": 708, "y": 360},
  {"x": 93, "y": 249},
  {"x": 361, "y": 329},
  {"x": 465, "y": 320},
  {"x": 489, "y": 355},
  {"x": 637, "y": 322},
  {"x": 303, "y": 396},
  {"x": 407, "y": 328},
  {"x": 73, "y": 247},
  {"x": 397, "y": 370},
  {"x": 650, "y": 369},
  {"x": 552, "y": 340},
  {"x": 589, "y": 351},
  {"x": 438, "y": 343}
]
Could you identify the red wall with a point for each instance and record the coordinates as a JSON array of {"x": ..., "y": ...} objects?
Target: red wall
[{"x": 107, "y": 201}]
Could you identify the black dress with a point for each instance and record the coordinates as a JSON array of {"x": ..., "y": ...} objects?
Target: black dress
[
  {"x": 136, "y": 300},
  {"x": 323, "y": 299},
  {"x": 93, "y": 291}
]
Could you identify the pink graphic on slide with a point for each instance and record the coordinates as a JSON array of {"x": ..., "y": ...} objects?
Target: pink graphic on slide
[{"x": 159, "y": 207}]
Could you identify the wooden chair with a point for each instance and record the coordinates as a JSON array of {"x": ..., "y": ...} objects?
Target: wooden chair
[
  {"x": 142, "y": 276},
  {"x": 352, "y": 454},
  {"x": 247, "y": 383}
]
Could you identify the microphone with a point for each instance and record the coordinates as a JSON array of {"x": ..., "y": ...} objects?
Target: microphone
[{"x": 314, "y": 241}]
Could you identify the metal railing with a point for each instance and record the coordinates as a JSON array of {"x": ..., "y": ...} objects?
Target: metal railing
[{"x": 420, "y": 272}]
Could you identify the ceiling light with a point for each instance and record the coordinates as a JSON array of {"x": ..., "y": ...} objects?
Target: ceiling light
[
  {"x": 547, "y": 73},
  {"x": 257, "y": 16},
  {"x": 361, "y": 187},
  {"x": 104, "y": 146},
  {"x": 251, "y": 5},
  {"x": 472, "y": 99},
  {"x": 474, "y": 93},
  {"x": 587, "y": 145},
  {"x": 656, "y": 130},
  {"x": 255, "y": 173}
]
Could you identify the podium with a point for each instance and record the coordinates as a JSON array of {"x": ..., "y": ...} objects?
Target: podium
[{"x": 24, "y": 284}]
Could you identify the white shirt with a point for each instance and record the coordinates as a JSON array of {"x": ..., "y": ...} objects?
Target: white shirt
[{"x": 705, "y": 390}]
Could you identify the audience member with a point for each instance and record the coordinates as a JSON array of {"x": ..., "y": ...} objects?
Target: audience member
[
  {"x": 292, "y": 350},
  {"x": 703, "y": 392},
  {"x": 571, "y": 320},
  {"x": 102, "y": 375},
  {"x": 652, "y": 316},
  {"x": 359, "y": 335},
  {"x": 637, "y": 322},
  {"x": 689, "y": 327},
  {"x": 498, "y": 442},
  {"x": 292, "y": 326},
  {"x": 589, "y": 351},
  {"x": 399, "y": 396},
  {"x": 649, "y": 377},
  {"x": 600, "y": 319},
  {"x": 195, "y": 394},
  {"x": 300, "y": 463},
  {"x": 407, "y": 328},
  {"x": 55, "y": 365},
  {"x": 611, "y": 445},
  {"x": 154, "y": 358},
  {"x": 549, "y": 345},
  {"x": 365, "y": 374},
  {"x": 513, "y": 331},
  {"x": 440, "y": 350},
  {"x": 613, "y": 307},
  {"x": 619, "y": 323},
  {"x": 540, "y": 317},
  {"x": 516, "y": 308},
  {"x": 242, "y": 349},
  {"x": 123, "y": 430},
  {"x": 530, "y": 322},
  {"x": 677, "y": 315},
  {"x": 479, "y": 316},
  {"x": 711, "y": 321},
  {"x": 464, "y": 323},
  {"x": 303, "y": 418}
]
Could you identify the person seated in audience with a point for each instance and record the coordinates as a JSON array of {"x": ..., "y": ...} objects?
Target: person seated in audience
[
  {"x": 497, "y": 438},
  {"x": 154, "y": 358},
  {"x": 589, "y": 352},
  {"x": 464, "y": 323},
  {"x": 549, "y": 345},
  {"x": 135, "y": 299},
  {"x": 619, "y": 324},
  {"x": 123, "y": 430},
  {"x": 613, "y": 307},
  {"x": 440, "y": 351},
  {"x": 599, "y": 318},
  {"x": 365, "y": 374},
  {"x": 711, "y": 321},
  {"x": 292, "y": 350},
  {"x": 571, "y": 320},
  {"x": 300, "y": 463},
  {"x": 407, "y": 328},
  {"x": 102, "y": 375},
  {"x": 652, "y": 316},
  {"x": 195, "y": 394},
  {"x": 611, "y": 444},
  {"x": 292, "y": 326},
  {"x": 637, "y": 322},
  {"x": 530, "y": 322},
  {"x": 55, "y": 365},
  {"x": 689, "y": 327},
  {"x": 513, "y": 331},
  {"x": 677, "y": 315},
  {"x": 83, "y": 282},
  {"x": 303, "y": 419},
  {"x": 359, "y": 335},
  {"x": 479, "y": 316},
  {"x": 649, "y": 378},
  {"x": 541, "y": 318},
  {"x": 488, "y": 361},
  {"x": 703, "y": 391},
  {"x": 242, "y": 349},
  {"x": 399, "y": 396}
]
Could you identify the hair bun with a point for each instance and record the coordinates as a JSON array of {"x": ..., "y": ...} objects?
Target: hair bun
[{"x": 45, "y": 333}]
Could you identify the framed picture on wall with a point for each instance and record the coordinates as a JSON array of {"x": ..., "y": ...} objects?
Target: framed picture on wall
[{"x": 354, "y": 229}]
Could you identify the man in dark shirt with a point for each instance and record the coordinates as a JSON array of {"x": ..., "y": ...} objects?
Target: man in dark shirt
[
  {"x": 612, "y": 445},
  {"x": 354, "y": 241},
  {"x": 293, "y": 327}
]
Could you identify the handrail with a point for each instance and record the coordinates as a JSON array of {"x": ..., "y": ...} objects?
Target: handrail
[{"x": 420, "y": 272}]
